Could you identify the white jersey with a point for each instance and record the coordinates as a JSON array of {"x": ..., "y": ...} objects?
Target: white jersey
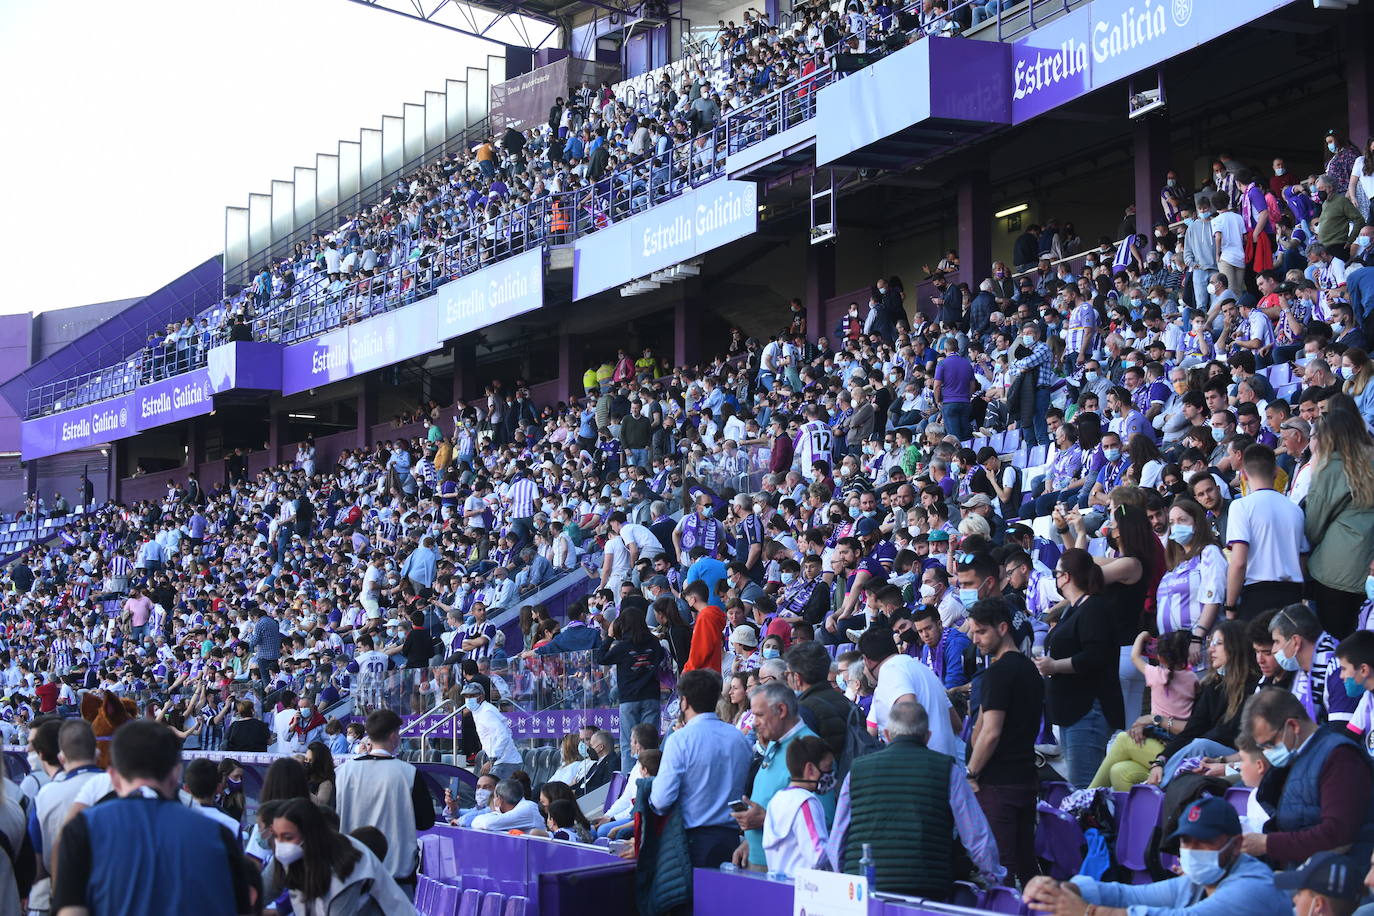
[{"x": 814, "y": 443}]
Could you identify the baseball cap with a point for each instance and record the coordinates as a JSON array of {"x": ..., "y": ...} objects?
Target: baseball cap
[
  {"x": 472, "y": 689},
  {"x": 865, "y": 526},
  {"x": 659, "y": 582},
  {"x": 1206, "y": 819},
  {"x": 1327, "y": 873},
  {"x": 939, "y": 534},
  {"x": 977, "y": 499}
]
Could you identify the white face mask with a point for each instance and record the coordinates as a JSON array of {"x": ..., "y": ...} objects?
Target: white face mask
[
  {"x": 287, "y": 853},
  {"x": 483, "y": 797}
]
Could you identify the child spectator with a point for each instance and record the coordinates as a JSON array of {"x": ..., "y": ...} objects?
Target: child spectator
[
  {"x": 794, "y": 829},
  {"x": 1173, "y": 686}
]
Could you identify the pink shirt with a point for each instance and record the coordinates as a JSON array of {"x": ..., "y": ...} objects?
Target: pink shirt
[
  {"x": 1176, "y": 699},
  {"x": 139, "y": 608}
]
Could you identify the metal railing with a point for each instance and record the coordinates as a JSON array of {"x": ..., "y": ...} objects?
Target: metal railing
[{"x": 316, "y": 306}]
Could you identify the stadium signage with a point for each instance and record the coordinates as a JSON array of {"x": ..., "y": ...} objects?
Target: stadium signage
[
  {"x": 692, "y": 224},
  {"x": 1108, "y": 40},
  {"x": 80, "y": 427},
  {"x": 175, "y": 399},
  {"x": 504, "y": 290}
]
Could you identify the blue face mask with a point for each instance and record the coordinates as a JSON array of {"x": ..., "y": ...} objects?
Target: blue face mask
[
  {"x": 1286, "y": 662},
  {"x": 1369, "y": 587},
  {"x": 1353, "y": 687},
  {"x": 968, "y": 596},
  {"x": 1331, "y": 147},
  {"x": 1091, "y": 375},
  {"x": 1279, "y": 754},
  {"x": 1202, "y": 866},
  {"x": 1111, "y": 454},
  {"x": 1028, "y": 340},
  {"x": 770, "y": 652},
  {"x": 1218, "y": 433},
  {"x": 582, "y": 749},
  {"x": 472, "y": 703},
  {"x": 1180, "y": 534},
  {"x": 788, "y": 578},
  {"x": 854, "y": 512}
]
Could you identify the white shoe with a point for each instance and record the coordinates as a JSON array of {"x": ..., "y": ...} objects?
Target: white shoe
[
  {"x": 1049, "y": 750},
  {"x": 855, "y": 634}
]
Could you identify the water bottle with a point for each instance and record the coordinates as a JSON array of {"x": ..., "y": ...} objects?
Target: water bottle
[
  {"x": 729, "y": 867},
  {"x": 868, "y": 868}
]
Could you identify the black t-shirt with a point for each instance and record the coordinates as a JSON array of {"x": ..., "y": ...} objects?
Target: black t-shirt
[
  {"x": 418, "y": 647},
  {"x": 1012, "y": 684}
]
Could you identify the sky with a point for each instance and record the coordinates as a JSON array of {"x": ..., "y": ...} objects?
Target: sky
[{"x": 129, "y": 127}]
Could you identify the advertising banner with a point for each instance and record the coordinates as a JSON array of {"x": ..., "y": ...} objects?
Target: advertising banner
[
  {"x": 692, "y": 224},
  {"x": 82, "y": 427},
  {"x": 504, "y": 290},
  {"x": 1108, "y": 40},
  {"x": 177, "y": 398},
  {"x": 245, "y": 364}
]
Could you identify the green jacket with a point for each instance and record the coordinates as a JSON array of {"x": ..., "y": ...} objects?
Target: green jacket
[
  {"x": 1339, "y": 221},
  {"x": 1341, "y": 533}
]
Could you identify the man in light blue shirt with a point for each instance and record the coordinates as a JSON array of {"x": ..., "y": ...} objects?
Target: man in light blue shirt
[
  {"x": 703, "y": 769},
  {"x": 420, "y": 566},
  {"x": 1217, "y": 880}
]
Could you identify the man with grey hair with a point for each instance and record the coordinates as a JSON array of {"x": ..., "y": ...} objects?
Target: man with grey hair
[
  {"x": 772, "y": 671},
  {"x": 905, "y": 802},
  {"x": 511, "y": 810},
  {"x": 777, "y": 723}
]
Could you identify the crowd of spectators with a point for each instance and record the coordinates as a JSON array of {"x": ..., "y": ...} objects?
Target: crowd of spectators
[{"x": 1108, "y": 519}]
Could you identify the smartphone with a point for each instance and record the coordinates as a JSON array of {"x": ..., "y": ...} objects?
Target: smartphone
[{"x": 739, "y": 806}]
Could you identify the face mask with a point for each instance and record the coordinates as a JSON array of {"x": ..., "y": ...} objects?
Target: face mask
[
  {"x": 928, "y": 591},
  {"x": 909, "y": 637},
  {"x": 854, "y": 512},
  {"x": 955, "y": 467},
  {"x": 1353, "y": 687},
  {"x": 583, "y": 750},
  {"x": 1091, "y": 375},
  {"x": 472, "y": 703},
  {"x": 35, "y": 762},
  {"x": 788, "y": 578},
  {"x": 1279, "y": 754},
  {"x": 1172, "y": 182},
  {"x": 1111, "y": 454},
  {"x": 1181, "y": 387},
  {"x": 770, "y": 652},
  {"x": 1089, "y": 263},
  {"x": 483, "y": 797},
  {"x": 968, "y": 596},
  {"x": 1027, "y": 340},
  {"x": 1361, "y": 242},
  {"x": 287, "y": 853},
  {"x": 1343, "y": 371},
  {"x": 1286, "y": 662},
  {"x": 1181, "y": 534},
  {"x": 825, "y": 784},
  {"x": 1201, "y": 866},
  {"x": 1218, "y": 433},
  {"x": 1369, "y": 587},
  {"x": 1331, "y": 147},
  {"x": 1322, "y": 195}
]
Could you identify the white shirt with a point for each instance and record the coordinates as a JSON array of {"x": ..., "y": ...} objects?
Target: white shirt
[
  {"x": 1273, "y": 527},
  {"x": 1232, "y": 230},
  {"x": 902, "y": 674},
  {"x": 493, "y": 731},
  {"x": 218, "y": 817},
  {"x": 794, "y": 831},
  {"x": 620, "y": 560},
  {"x": 644, "y": 539},
  {"x": 281, "y": 725},
  {"x": 524, "y": 816}
]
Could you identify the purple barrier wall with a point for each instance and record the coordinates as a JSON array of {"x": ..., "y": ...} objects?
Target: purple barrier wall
[{"x": 728, "y": 892}]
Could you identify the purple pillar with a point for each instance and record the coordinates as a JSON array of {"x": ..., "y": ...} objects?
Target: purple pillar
[
  {"x": 1151, "y": 137},
  {"x": 687, "y": 327},
  {"x": 464, "y": 368},
  {"x": 820, "y": 286},
  {"x": 1359, "y": 74},
  {"x": 975, "y": 229},
  {"x": 366, "y": 410},
  {"x": 114, "y": 472}
]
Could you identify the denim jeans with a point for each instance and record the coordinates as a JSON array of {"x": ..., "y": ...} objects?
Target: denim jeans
[
  {"x": 631, "y": 714},
  {"x": 1202, "y": 300},
  {"x": 989, "y": 9},
  {"x": 1039, "y": 433},
  {"x": 1198, "y": 747},
  {"x": 955, "y": 415},
  {"x": 1085, "y": 744},
  {"x": 1132, "y": 685},
  {"x": 639, "y": 457}
]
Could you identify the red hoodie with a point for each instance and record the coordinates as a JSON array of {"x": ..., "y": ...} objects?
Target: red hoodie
[{"x": 708, "y": 640}]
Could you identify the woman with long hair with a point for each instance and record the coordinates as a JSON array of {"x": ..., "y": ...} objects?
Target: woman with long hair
[
  {"x": 1215, "y": 722},
  {"x": 1083, "y": 691},
  {"x": 1340, "y": 518},
  {"x": 675, "y": 633},
  {"x": 1358, "y": 371},
  {"x": 636, "y": 654},
  {"x": 1130, "y": 572},
  {"x": 574, "y": 763},
  {"x": 1361, "y": 187},
  {"x": 319, "y": 773},
  {"x": 1193, "y": 587},
  {"x": 325, "y": 871},
  {"x": 1146, "y": 461}
]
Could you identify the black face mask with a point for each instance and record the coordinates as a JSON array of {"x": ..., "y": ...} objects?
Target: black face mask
[{"x": 909, "y": 637}]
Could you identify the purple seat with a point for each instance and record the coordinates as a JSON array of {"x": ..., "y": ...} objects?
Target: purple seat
[
  {"x": 492, "y": 904},
  {"x": 615, "y": 787},
  {"x": 424, "y": 895},
  {"x": 429, "y": 855},
  {"x": 1003, "y": 900},
  {"x": 1135, "y": 824},
  {"x": 471, "y": 903},
  {"x": 966, "y": 893},
  {"x": 1059, "y": 841},
  {"x": 1239, "y": 798},
  {"x": 515, "y": 906},
  {"x": 447, "y": 900}
]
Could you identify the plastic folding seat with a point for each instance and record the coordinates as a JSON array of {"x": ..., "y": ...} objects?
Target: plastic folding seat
[
  {"x": 470, "y": 904},
  {"x": 425, "y": 892},
  {"x": 447, "y": 899},
  {"x": 448, "y": 860},
  {"x": 1059, "y": 841},
  {"x": 429, "y": 855},
  {"x": 1003, "y": 900},
  {"x": 492, "y": 904},
  {"x": 966, "y": 893},
  {"x": 1135, "y": 823},
  {"x": 1239, "y": 798}
]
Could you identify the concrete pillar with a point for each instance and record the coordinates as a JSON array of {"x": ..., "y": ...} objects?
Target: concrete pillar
[
  {"x": 687, "y": 325},
  {"x": 114, "y": 472},
  {"x": 572, "y": 363},
  {"x": 31, "y": 477},
  {"x": 366, "y": 411},
  {"x": 465, "y": 368},
  {"x": 820, "y": 287},
  {"x": 276, "y": 436},
  {"x": 197, "y": 434},
  {"x": 975, "y": 229},
  {"x": 1359, "y": 73},
  {"x": 1151, "y": 139}
]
